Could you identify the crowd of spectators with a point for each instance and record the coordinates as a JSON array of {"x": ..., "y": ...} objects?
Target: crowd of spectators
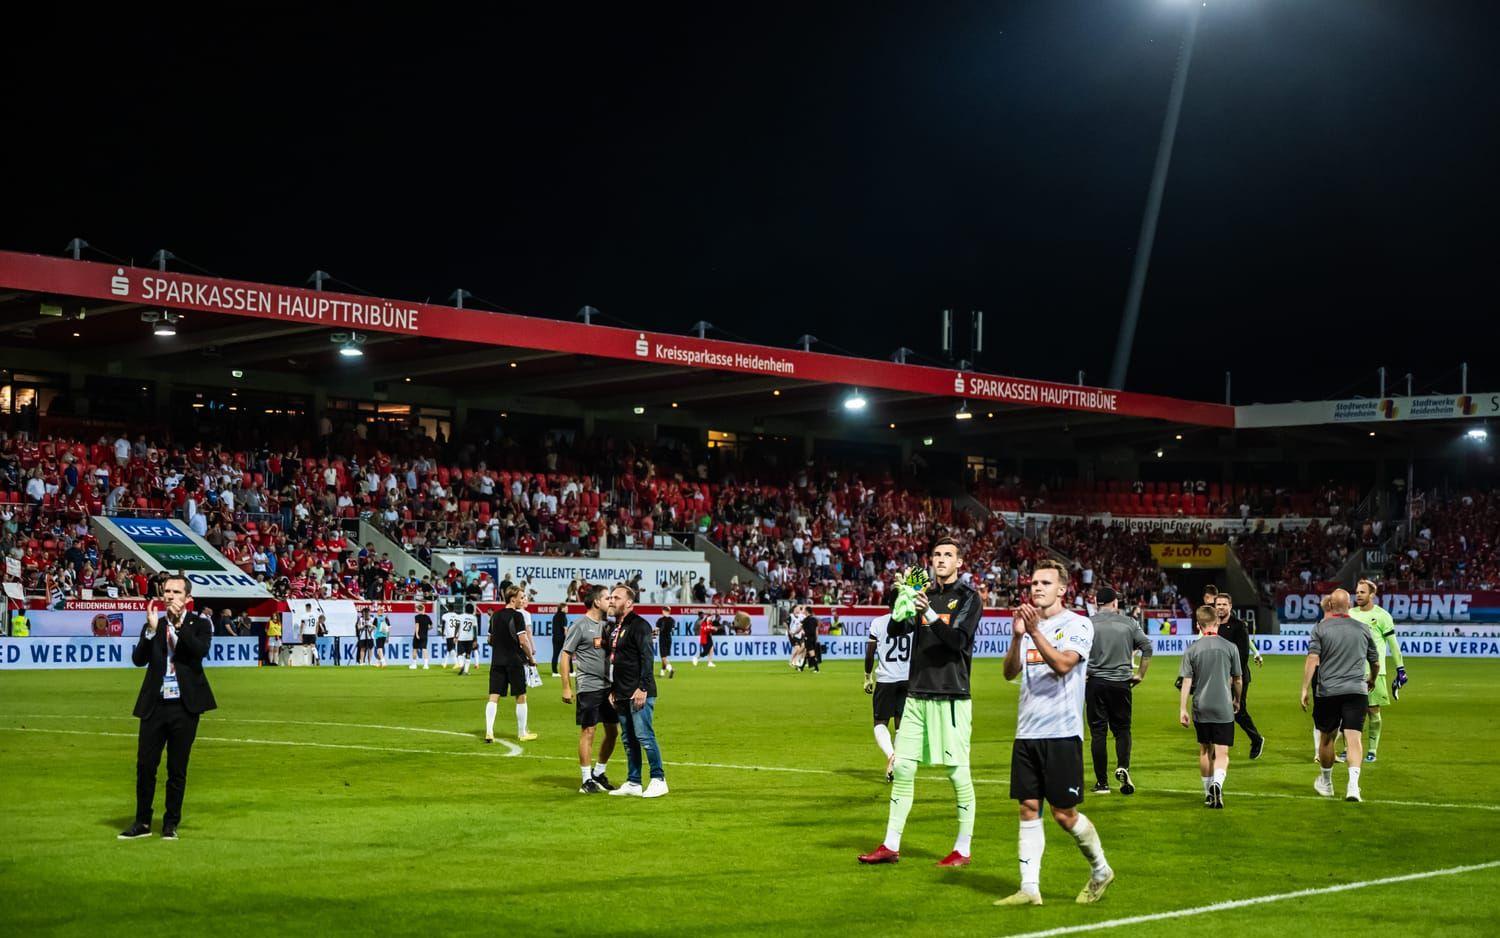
[{"x": 822, "y": 533}]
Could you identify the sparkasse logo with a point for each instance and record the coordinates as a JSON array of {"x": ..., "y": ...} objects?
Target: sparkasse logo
[
  {"x": 119, "y": 284},
  {"x": 642, "y": 347}
]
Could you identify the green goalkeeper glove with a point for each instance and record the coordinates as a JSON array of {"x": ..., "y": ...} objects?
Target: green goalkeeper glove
[
  {"x": 870, "y": 682},
  {"x": 912, "y": 582}
]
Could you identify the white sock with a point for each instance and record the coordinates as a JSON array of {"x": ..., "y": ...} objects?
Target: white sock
[
  {"x": 1354, "y": 776},
  {"x": 883, "y": 740},
  {"x": 584, "y": 771},
  {"x": 961, "y": 845},
  {"x": 1032, "y": 843},
  {"x": 520, "y": 719},
  {"x": 489, "y": 719},
  {"x": 1327, "y": 774},
  {"x": 1219, "y": 777},
  {"x": 1207, "y": 780},
  {"x": 1088, "y": 843},
  {"x": 599, "y": 767}
]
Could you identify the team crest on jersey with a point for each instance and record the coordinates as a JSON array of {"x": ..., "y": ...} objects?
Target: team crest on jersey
[
  {"x": 952, "y": 604},
  {"x": 1057, "y": 636}
]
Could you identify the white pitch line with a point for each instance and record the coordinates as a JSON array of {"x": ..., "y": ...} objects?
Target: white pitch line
[
  {"x": 512, "y": 748},
  {"x": 517, "y": 751},
  {"x": 1257, "y": 900},
  {"x": 282, "y": 742},
  {"x": 1277, "y": 794}
]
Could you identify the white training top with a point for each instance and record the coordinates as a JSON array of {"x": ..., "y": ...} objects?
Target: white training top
[
  {"x": 892, "y": 652},
  {"x": 1052, "y": 707},
  {"x": 450, "y": 625},
  {"x": 307, "y": 623},
  {"x": 468, "y": 627}
]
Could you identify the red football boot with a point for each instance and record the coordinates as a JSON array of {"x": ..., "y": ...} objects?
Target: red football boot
[
  {"x": 881, "y": 855},
  {"x": 954, "y": 859}
]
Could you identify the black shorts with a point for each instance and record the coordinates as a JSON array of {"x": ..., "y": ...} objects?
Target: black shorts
[
  {"x": 1050, "y": 770},
  {"x": 466, "y": 648},
  {"x": 418, "y": 642},
  {"x": 704, "y": 648},
  {"x": 664, "y": 645},
  {"x": 1108, "y": 704},
  {"x": 593, "y": 707},
  {"x": 1215, "y": 734},
  {"x": 309, "y": 639},
  {"x": 507, "y": 680},
  {"x": 1343, "y": 710},
  {"x": 890, "y": 701},
  {"x": 380, "y": 643}
]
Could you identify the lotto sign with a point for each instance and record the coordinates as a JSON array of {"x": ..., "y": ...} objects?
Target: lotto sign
[{"x": 1212, "y": 556}]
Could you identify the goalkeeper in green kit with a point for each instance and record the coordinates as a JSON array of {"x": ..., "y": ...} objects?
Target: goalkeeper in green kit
[
  {"x": 1383, "y": 631},
  {"x": 935, "y": 724}
]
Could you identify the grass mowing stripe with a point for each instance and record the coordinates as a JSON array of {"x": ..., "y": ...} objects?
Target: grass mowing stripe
[{"x": 1256, "y": 900}]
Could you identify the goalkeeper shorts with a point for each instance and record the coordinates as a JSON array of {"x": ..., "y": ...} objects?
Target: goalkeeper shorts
[{"x": 935, "y": 732}]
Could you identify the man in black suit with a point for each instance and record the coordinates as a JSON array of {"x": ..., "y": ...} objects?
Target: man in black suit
[{"x": 173, "y": 695}]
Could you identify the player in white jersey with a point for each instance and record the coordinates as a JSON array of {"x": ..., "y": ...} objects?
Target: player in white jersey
[
  {"x": 468, "y": 633},
  {"x": 1049, "y": 652},
  {"x": 450, "y": 639},
  {"x": 887, "y": 666}
]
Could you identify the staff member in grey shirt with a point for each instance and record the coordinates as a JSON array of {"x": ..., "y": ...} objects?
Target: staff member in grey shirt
[
  {"x": 585, "y": 646},
  {"x": 1107, "y": 693},
  {"x": 1211, "y": 676},
  {"x": 1338, "y": 651}
]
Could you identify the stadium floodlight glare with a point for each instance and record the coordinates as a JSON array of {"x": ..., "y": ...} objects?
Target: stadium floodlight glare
[
  {"x": 1160, "y": 453},
  {"x": 236, "y": 373},
  {"x": 926, "y": 441},
  {"x": 349, "y": 343},
  {"x": 638, "y": 410},
  {"x": 855, "y": 401},
  {"x": 1478, "y": 434},
  {"x": 963, "y": 412},
  {"x": 163, "y": 323}
]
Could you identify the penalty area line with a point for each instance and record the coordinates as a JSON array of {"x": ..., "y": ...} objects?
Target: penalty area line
[{"x": 1256, "y": 900}]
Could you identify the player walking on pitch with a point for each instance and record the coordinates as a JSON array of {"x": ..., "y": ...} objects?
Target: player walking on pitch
[
  {"x": 1383, "y": 633},
  {"x": 1049, "y": 650},
  {"x": 510, "y": 650},
  {"x": 936, "y": 722},
  {"x": 1338, "y": 651},
  {"x": 887, "y": 669},
  {"x": 1211, "y": 679},
  {"x": 468, "y": 639}
]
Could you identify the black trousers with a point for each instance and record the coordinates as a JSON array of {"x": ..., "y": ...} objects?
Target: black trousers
[
  {"x": 1243, "y": 717},
  {"x": 1108, "y": 705},
  {"x": 172, "y": 727},
  {"x": 557, "y": 644}
]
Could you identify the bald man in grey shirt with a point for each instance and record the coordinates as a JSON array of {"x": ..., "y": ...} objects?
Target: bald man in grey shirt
[
  {"x": 1341, "y": 652},
  {"x": 1107, "y": 692}
]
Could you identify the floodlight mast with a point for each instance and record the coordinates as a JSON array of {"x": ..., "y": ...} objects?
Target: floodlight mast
[{"x": 1147, "y": 239}]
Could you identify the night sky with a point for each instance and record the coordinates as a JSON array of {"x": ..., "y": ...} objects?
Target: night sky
[{"x": 844, "y": 171}]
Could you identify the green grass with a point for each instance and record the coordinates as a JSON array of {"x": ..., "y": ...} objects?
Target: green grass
[{"x": 451, "y": 836}]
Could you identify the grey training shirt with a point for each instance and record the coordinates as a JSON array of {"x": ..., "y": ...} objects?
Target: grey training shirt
[
  {"x": 1212, "y": 662},
  {"x": 585, "y": 643},
  {"x": 1343, "y": 646},
  {"x": 1116, "y": 638}
]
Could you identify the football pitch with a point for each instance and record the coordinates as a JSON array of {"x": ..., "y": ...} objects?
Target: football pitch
[{"x": 342, "y": 800}]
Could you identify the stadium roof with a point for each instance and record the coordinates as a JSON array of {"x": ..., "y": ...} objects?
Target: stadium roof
[
  {"x": 63, "y": 308},
  {"x": 283, "y": 329}
]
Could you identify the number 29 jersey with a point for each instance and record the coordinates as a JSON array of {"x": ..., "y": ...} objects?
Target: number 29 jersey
[{"x": 892, "y": 652}]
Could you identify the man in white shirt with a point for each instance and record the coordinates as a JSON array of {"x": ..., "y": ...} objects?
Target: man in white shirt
[
  {"x": 307, "y": 627},
  {"x": 122, "y": 450},
  {"x": 1049, "y": 652}
]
